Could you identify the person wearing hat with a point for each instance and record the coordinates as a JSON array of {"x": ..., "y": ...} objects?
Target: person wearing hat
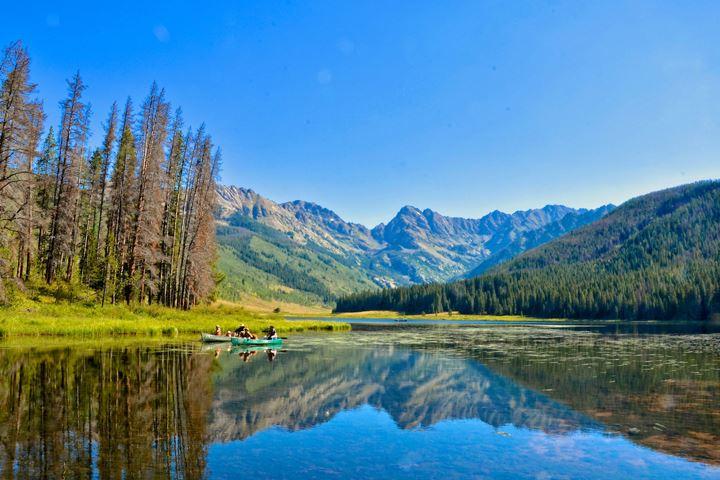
[
  {"x": 243, "y": 332},
  {"x": 218, "y": 331}
]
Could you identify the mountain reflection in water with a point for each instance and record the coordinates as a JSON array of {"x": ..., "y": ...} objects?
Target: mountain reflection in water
[
  {"x": 178, "y": 411},
  {"x": 417, "y": 389}
]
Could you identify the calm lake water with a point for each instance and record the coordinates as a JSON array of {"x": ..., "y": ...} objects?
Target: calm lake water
[{"x": 384, "y": 401}]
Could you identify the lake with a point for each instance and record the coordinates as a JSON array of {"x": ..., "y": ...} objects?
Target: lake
[{"x": 384, "y": 401}]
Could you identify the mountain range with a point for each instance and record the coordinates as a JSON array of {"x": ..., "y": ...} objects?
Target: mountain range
[
  {"x": 656, "y": 256},
  {"x": 302, "y": 252}
]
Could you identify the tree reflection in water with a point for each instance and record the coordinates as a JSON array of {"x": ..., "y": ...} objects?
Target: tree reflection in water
[{"x": 119, "y": 413}]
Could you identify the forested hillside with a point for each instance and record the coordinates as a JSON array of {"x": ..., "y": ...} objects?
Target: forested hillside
[
  {"x": 533, "y": 238},
  {"x": 655, "y": 257},
  {"x": 261, "y": 261},
  {"x": 131, "y": 219}
]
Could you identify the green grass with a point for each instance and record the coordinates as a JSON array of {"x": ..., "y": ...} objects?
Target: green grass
[{"x": 30, "y": 318}]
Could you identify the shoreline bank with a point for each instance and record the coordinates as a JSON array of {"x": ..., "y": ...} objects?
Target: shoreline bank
[{"x": 72, "y": 320}]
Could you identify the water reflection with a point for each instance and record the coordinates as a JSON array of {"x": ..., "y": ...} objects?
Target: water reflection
[
  {"x": 417, "y": 389},
  {"x": 136, "y": 412},
  {"x": 119, "y": 413},
  {"x": 662, "y": 391}
]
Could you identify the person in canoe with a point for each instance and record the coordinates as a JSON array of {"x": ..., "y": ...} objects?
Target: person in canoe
[
  {"x": 271, "y": 333},
  {"x": 243, "y": 332},
  {"x": 218, "y": 331}
]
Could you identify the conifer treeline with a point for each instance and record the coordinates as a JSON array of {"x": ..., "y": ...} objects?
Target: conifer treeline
[
  {"x": 687, "y": 293},
  {"x": 132, "y": 219}
]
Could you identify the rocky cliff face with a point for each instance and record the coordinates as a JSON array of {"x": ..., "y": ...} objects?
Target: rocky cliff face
[{"x": 416, "y": 245}]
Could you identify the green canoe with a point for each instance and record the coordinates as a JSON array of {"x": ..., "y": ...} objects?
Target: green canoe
[{"x": 239, "y": 342}]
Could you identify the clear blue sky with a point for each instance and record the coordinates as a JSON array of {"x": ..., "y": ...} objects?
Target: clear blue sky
[{"x": 363, "y": 107}]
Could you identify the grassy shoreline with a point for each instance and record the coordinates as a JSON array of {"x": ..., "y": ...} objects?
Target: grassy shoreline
[{"x": 35, "y": 319}]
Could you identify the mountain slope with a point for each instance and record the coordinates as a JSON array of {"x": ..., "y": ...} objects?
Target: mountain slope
[
  {"x": 655, "y": 257},
  {"x": 301, "y": 251},
  {"x": 264, "y": 262}
]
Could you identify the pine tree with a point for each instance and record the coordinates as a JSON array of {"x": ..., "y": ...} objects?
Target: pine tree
[
  {"x": 107, "y": 150},
  {"x": 21, "y": 119},
  {"x": 121, "y": 213},
  {"x": 175, "y": 175},
  {"x": 45, "y": 166},
  {"x": 71, "y": 146}
]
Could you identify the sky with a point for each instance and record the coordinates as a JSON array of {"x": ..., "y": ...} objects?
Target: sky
[{"x": 463, "y": 107}]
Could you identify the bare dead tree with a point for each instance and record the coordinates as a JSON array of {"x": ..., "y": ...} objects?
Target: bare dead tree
[
  {"x": 200, "y": 279},
  {"x": 148, "y": 207},
  {"x": 26, "y": 192}
]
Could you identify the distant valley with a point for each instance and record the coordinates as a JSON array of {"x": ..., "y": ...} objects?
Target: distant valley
[{"x": 304, "y": 253}]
